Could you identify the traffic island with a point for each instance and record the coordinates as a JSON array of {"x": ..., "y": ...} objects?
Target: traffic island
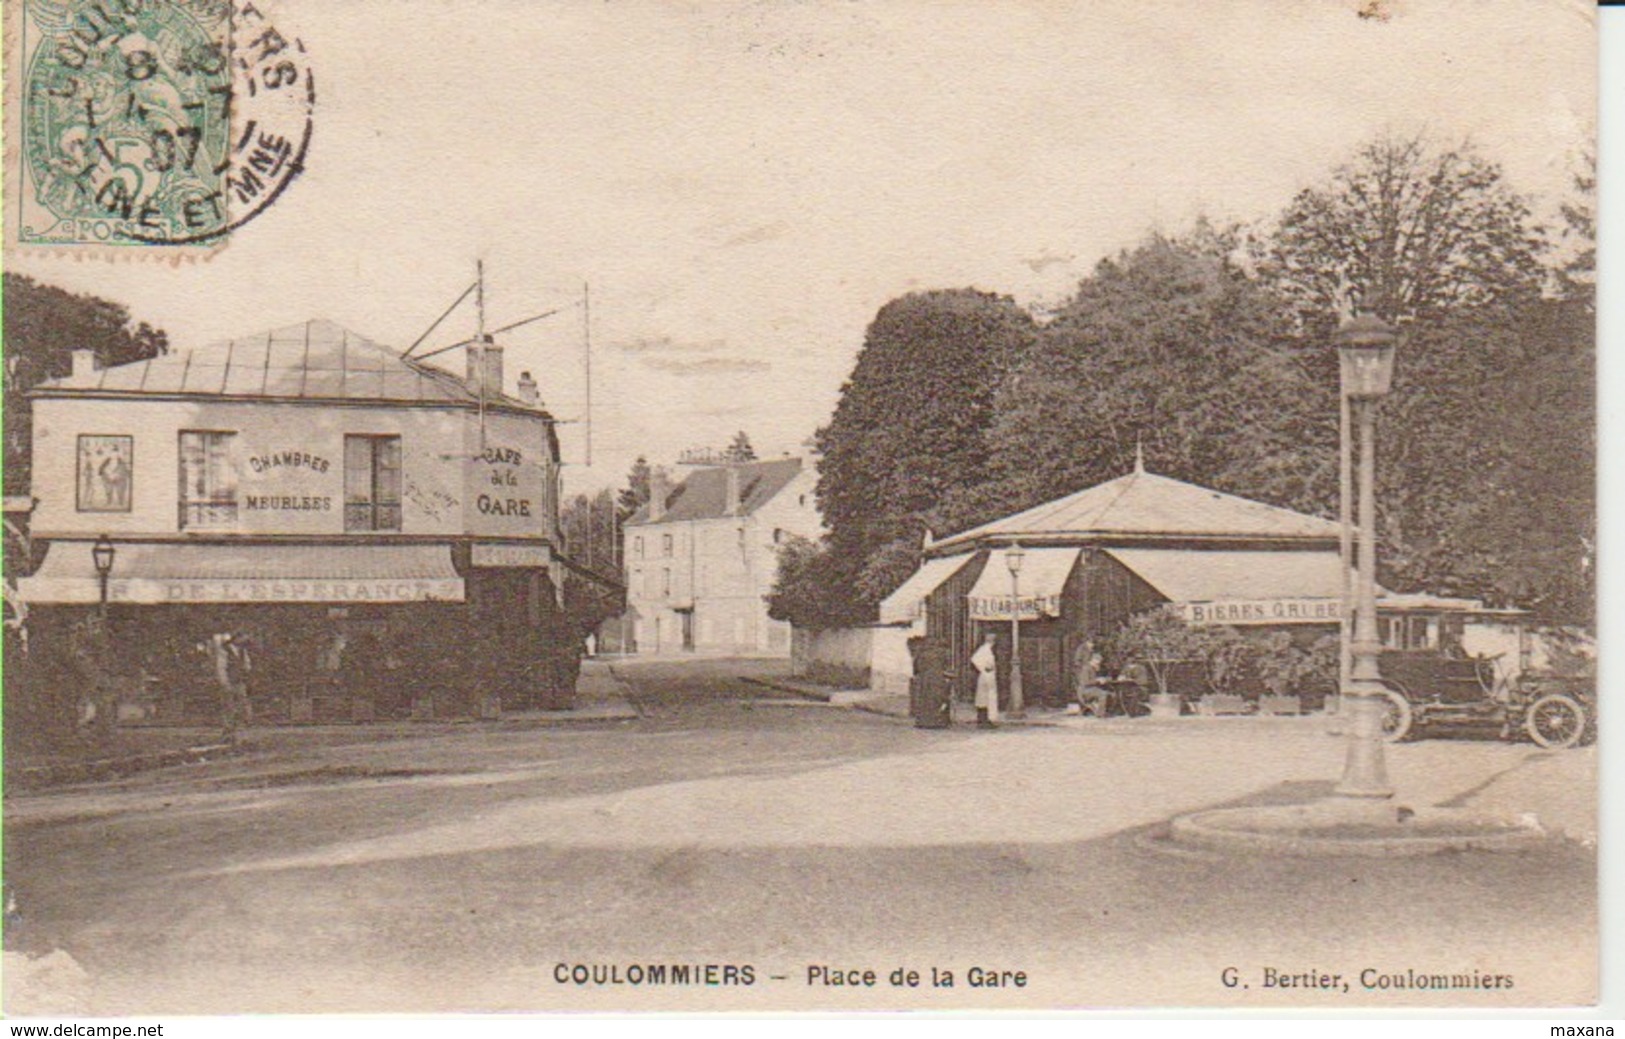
[{"x": 1349, "y": 827}]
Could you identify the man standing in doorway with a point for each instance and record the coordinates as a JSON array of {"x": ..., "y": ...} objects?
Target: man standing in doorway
[
  {"x": 232, "y": 665},
  {"x": 986, "y": 664}
]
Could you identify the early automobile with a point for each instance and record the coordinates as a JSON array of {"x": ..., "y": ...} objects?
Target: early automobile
[{"x": 1430, "y": 691}]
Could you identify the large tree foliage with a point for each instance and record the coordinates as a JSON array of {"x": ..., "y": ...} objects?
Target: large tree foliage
[
  {"x": 1486, "y": 443},
  {"x": 1408, "y": 228},
  {"x": 1219, "y": 362},
  {"x": 1173, "y": 349},
  {"x": 43, "y": 326},
  {"x": 910, "y": 428}
]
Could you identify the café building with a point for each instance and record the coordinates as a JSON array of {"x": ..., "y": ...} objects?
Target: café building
[
  {"x": 382, "y": 533},
  {"x": 1092, "y": 559}
]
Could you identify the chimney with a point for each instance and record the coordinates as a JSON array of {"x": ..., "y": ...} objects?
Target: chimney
[
  {"x": 485, "y": 359},
  {"x": 733, "y": 503},
  {"x": 84, "y": 364},
  {"x": 659, "y": 490},
  {"x": 529, "y": 392}
]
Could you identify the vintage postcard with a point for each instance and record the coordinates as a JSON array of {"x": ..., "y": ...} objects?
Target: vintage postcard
[{"x": 813, "y": 506}]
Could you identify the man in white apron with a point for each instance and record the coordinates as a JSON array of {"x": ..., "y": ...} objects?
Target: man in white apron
[{"x": 987, "y": 683}]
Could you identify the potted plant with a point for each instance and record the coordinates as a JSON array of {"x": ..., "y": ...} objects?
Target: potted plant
[
  {"x": 1157, "y": 640},
  {"x": 1287, "y": 670},
  {"x": 1228, "y": 659}
]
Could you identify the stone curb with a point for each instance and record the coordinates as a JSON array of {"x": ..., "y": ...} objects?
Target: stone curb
[
  {"x": 38, "y": 777},
  {"x": 35, "y": 778},
  {"x": 1289, "y": 830},
  {"x": 806, "y": 692}
]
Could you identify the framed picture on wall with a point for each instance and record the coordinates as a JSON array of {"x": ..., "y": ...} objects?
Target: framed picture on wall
[{"x": 106, "y": 467}]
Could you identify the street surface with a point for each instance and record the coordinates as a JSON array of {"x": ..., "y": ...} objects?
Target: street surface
[{"x": 732, "y": 825}]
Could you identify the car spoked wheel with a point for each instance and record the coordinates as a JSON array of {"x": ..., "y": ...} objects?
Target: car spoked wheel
[
  {"x": 1555, "y": 721},
  {"x": 1397, "y": 717}
]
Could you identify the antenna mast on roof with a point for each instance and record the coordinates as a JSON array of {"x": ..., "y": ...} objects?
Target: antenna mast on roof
[
  {"x": 479, "y": 339},
  {"x": 586, "y": 358}
]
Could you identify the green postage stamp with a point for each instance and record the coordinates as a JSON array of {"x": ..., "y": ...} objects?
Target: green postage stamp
[{"x": 150, "y": 126}]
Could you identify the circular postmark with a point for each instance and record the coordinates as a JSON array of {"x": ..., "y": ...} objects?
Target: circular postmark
[{"x": 159, "y": 122}]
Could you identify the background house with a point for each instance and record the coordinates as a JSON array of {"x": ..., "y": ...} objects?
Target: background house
[{"x": 702, "y": 556}]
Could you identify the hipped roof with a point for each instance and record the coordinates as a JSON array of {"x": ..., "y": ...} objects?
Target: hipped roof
[
  {"x": 1143, "y": 504},
  {"x": 313, "y": 360},
  {"x": 704, "y": 494}
]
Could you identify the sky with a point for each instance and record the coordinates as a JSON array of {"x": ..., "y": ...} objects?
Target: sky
[{"x": 744, "y": 184}]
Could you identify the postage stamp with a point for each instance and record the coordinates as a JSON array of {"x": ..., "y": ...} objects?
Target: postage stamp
[{"x": 152, "y": 126}]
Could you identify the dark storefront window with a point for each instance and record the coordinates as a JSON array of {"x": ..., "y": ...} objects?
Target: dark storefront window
[
  {"x": 372, "y": 483},
  {"x": 208, "y": 491}
]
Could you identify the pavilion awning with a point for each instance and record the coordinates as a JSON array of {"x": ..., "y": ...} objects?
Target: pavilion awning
[
  {"x": 265, "y": 573},
  {"x": 903, "y": 606},
  {"x": 1242, "y": 587},
  {"x": 1043, "y": 577}
]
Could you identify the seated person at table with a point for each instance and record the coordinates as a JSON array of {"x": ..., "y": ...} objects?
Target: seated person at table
[{"x": 1091, "y": 696}]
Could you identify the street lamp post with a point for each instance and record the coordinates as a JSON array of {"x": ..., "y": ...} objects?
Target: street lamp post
[
  {"x": 1013, "y": 557},
  {"x": 1365, "y": 347},
  {"x": 101, "y": 554}
]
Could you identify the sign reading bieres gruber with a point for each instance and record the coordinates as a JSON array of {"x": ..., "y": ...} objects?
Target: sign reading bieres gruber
[{"x": 1263, "y": 611}]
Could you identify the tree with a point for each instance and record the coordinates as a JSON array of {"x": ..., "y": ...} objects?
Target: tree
[
  {"x": 1578, "y": 276},
  {"x": 1174, "y": 348},
  {"x": 740, "y": 450},
  {"x": 635, "y": 495},
  {"x": 591, "y": 531},
  {"x": 1489, "y": 488},
  {"x": 1159, "y": 639},
  {"x": 1407, "y": 229},
  {"x": 1482, "y": 489},
  {"x": 809, "y": 575},
  {"x": 910, "y": 428},
  {"x": 43, "y": 326}
]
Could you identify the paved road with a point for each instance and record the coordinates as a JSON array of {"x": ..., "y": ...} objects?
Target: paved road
[{"x": 730, "y": 826}]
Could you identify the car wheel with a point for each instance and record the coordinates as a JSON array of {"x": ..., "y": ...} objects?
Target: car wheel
[
  {"x": 1555, "y": 721},
  {"x": 1397, "y": 716}
]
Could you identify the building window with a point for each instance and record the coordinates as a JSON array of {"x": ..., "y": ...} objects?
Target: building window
[
  {"x": 665, "y": 582},
  {"x": 665, "y": 544},
  {"x": 372, "y": 482},
  {"x": 1404, "y": 632},
  {"x": 637, "y": 548},
  {"x": 208, "y": 480}
]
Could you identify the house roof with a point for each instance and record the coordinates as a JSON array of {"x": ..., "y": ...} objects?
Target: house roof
[
  {"x": 704, "y": 494},
  {"x": 1145, "y": 504},
  {"x": 313, "y": 360}
]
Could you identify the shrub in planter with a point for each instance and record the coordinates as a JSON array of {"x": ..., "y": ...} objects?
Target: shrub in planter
[
  {"x": 1157, "y": 640},
  {"x": 1293, "y": 673}
]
